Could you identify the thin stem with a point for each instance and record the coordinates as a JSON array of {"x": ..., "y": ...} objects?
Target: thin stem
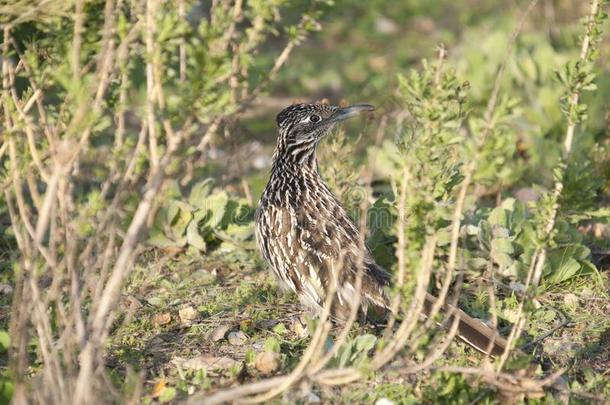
[{"x": 150, "y": 27}]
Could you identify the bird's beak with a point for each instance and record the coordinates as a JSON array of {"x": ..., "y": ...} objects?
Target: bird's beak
[{"x": 347, "y": 112}]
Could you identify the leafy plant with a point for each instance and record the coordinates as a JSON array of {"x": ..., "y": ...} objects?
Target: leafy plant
[
  {"x": 355, "y": 351},
  {"x": 504, "y": 236},
  {"x": 202, "y": 219}
]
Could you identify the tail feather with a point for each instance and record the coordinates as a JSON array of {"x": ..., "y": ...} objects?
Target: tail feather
[{"x": 470, "y": 330}]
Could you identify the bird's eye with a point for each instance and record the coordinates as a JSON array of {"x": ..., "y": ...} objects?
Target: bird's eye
[{"x": 315, "y": 118}]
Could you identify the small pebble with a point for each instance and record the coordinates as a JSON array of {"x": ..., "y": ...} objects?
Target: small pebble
[
  {"x": 237, "y": 338},
  {"x": 570, "y": 299},
  {"x": 267, "y": 362}
]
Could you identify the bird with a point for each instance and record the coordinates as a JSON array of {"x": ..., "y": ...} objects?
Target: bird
[{"x": 310, "y": 242}]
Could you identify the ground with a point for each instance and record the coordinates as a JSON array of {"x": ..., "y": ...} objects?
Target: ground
[{"x": 194, "y": 324}]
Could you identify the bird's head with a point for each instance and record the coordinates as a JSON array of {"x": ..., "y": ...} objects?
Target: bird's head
[{"x": 302, "y": 126}]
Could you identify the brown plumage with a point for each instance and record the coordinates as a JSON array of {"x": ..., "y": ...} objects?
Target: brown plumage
[{"x": 307, "y": 237}]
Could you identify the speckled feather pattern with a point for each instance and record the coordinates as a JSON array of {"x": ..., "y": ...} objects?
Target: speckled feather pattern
[{"x": 302, "y": 230}]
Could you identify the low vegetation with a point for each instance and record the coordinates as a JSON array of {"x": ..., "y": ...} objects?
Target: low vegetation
[{"x": 137, "y": 137}]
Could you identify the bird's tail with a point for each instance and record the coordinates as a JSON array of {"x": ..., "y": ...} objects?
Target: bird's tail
[{"x": 470, "y": 330}]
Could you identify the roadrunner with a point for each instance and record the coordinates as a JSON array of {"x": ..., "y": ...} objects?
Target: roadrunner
[{"x": 307, "y": 237}]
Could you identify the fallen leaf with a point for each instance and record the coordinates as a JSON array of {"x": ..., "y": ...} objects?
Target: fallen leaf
[
  {"x": 187, "y": 314},
  {"x": 131, "y": 303},
  {"x": 172, "y": 251},
  {"x": 161, "y": 319},
  {"x": 159, "y": 388},
  {"x": 219, "y": 332},
  {"x": 207, "y": 362},
  {"x": 267, "y": 362}
]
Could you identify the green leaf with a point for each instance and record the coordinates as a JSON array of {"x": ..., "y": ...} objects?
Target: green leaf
[
  {"x": 476, "y": 263},
  {"x": 280, "y": 329},
  {"x": 272, "y": 345},
  {"x": 502, "y": 259},
  {"x": 517, "y": 217},
  {"x": 498, "y": 217},
  {"x": 485, "y": 232},
  {"x": 239, "y": 232},
  {"x": 364, "y": 343},
  {"x": 155, "y": 301},
  {"x": 345, "y": 354},
  {"x": 158, "y": 239},
  {"x": 581, "y": 252},
  {"x": 502, "y": 245},
  {"x": 512, "y": 270},
  {"x": 181, "y": 215},
  {"x": 193, "y": 238},
  {"x": 199, "y": 192},
  {"x": 566, "y": 271},
  {"x": 5, "y": 341},
  {"x": 215, "y": 205},
  {"x": 250, "y": 355},
  {"x": 167, "y": 395},
  {"x": 500, "y": 232},
  {"x": 6, "y": 390},
  {"x": 443, "y": 237}
]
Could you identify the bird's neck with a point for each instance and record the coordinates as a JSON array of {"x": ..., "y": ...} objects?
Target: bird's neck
[
  {"x": 296, "y": 168},
  {"x": 295, "y": 158}
]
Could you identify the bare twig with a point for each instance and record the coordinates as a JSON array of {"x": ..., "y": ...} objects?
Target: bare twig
[
  {"x": 150, "y": 27},
  {"x": 83, "y": 271}
]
